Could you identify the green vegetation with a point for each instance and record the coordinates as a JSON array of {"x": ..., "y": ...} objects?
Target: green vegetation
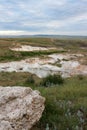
[
  {"x": 66, "y": 99},
  {"x": 63, "y": 101},
  {"x": 66, "y": 45},
  {"x": 30, "y": 80},
  {"x": 18, "y": 79},
  {"x": 52, "y": 80},
  {"x": 15, "y": 56},
  {"x": 40, "y": 53}
]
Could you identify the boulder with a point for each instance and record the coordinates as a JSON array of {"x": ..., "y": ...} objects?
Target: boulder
[{"x": 20, "y": 108}]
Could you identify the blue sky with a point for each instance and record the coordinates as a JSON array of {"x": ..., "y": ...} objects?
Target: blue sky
[{"x": 64, "y": 17}]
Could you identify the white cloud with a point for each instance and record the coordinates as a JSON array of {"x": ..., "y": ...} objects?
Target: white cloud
[
  {"x": 70, "y": 20},
  {"x": 48, "y": 32},
  {"x": 13, "y": 32},
  {"x": 42, "y": 16},
  {"x": 53, "y": 24}
]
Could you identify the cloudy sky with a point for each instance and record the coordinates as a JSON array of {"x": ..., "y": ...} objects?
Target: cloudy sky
[{"x": 64, "y": 17}]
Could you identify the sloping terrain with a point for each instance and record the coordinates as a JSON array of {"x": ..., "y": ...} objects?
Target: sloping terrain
[{"x": 68, "y": 58}]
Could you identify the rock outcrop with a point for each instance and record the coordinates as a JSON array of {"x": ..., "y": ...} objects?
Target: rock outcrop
[
  {"x": 20, "y": 108},
  {"x": 67, "y": 65}
]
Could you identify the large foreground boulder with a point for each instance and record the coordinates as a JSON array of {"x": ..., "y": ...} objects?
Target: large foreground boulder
[{"x": 20, "y": 108}]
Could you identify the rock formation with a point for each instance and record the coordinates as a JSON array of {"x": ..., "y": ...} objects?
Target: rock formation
[
  {"x": 20, "y": 108},
  {"x": 67, "y": 65}
]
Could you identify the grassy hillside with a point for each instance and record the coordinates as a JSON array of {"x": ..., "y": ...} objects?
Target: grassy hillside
[
  {"x": 66, "y": 103},
  {"x": 63, "y": 101}
]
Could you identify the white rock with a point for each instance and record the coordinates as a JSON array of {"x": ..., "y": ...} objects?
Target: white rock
[
  {"x": 28, "y": 48},
  {"x": 20, "y": 108},
  {"x": 42, "y": 67}
]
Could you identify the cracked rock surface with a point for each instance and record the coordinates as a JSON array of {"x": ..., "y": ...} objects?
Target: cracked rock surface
[{"x": 20, "y": 108}]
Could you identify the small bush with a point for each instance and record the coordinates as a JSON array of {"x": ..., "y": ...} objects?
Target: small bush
[
  {"x": 52, "y": 80},
  {"x": 80, "y": 77},
  {"x": 30, "y": 80}
]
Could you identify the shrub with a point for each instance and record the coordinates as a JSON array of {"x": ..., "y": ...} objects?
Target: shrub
[
  {"x": 80, "y": 77},
  {"x": 30, "y": 80},
  {"x": 52, "y": 80}
]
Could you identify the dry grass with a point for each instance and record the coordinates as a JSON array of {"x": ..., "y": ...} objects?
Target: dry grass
[{"x": 17, "y": 79}]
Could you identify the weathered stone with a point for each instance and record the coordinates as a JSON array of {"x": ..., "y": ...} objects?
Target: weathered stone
[
  {"x": 67, "y": 65},
  {"x": 20, "y": 108}
]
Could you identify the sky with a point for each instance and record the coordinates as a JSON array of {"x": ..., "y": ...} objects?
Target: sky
[{"x": 29, "y": 17}]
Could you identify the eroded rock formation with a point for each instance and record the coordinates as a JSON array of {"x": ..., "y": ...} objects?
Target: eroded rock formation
[{"x": 20, "y": 108}]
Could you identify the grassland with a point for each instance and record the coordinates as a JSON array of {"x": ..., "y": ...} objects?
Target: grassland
[
  {"x": 63, "y": 101},
  {"x": 68, "y": 45}
]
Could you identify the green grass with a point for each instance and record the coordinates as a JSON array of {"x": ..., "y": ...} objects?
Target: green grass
[
  {"x": 17, "y": 79},
  {"x": 61, "y": 100},
  {"x": 15, "y": 56},
  {"x": 52, "y": 80},
  {"x": 57, "y": 104},
  {"x": 40, "y": 53},
  {"x": 71, "y": 46}
]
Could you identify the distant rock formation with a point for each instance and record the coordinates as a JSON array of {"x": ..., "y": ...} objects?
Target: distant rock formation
[{"x": 20, "y": 108}]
